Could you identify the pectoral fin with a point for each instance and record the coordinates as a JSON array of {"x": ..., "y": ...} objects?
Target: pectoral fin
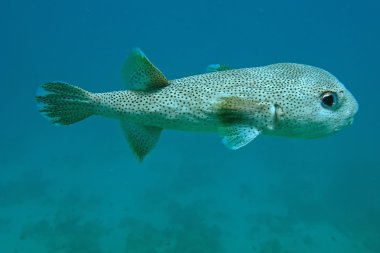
[
  {"x": 235, "y": 137},
  {"x": 242, "y": 111},
  {"x": 141, "y": 139},
  {"x": 242, "y": 120}
]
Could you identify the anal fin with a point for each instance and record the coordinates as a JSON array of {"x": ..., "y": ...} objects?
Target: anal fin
[{"x": 141, "y": 139}]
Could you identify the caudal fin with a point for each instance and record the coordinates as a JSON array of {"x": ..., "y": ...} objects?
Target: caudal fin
[{"x": 64, "y": 104}]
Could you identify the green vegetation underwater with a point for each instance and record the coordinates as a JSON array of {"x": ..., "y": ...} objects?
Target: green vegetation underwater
[{"x": 80, "y": 189}]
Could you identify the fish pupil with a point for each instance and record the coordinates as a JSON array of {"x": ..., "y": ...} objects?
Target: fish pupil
[{"x": 329, "y": 99}]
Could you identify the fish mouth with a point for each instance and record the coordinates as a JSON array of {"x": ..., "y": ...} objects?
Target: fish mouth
[
  {"x": 351, "y": 111},
  {"x": 351, "y": 121},
  {"x": 348, "y": 122},
  {"x": 353, "y": 104}
]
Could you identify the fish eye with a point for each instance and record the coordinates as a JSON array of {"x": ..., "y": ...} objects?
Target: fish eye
[{"x": 329, "y": 99}]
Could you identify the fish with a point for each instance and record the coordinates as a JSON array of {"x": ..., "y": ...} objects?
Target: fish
[{"x": 282, "y": 99}]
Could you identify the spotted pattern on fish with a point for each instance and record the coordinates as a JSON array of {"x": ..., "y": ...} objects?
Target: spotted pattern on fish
[{"x": 284, "y": 99}]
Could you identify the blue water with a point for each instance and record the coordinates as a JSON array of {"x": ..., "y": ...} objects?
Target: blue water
[{"x": 80, "y": 189}]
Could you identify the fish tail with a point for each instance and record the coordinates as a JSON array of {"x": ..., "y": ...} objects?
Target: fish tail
[{"x": 64, "y": 104}]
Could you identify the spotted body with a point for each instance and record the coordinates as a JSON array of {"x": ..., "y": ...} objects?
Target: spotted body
[{"x": 284, "y": 99}]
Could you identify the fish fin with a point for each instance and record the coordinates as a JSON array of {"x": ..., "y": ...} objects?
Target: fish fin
[
  {"x": 141, "y": 139},
  {"x": 140, "y": 74},
  {"x": 64, "y": 104},
  {"x": 235, "y": 137},
  {"x": 217, "y": 67},
  {"x": 240, "y": 111}
]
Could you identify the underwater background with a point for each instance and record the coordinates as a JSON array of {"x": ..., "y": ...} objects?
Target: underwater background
[{"x": 80, "y": 189}]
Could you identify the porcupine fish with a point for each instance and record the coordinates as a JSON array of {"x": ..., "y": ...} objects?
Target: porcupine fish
[{"x": 284, "y": 99}]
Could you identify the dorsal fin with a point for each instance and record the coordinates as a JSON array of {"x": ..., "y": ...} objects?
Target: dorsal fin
[
  {"x": 217, "y": 67},
  {"x": 140, "y": 74}
]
